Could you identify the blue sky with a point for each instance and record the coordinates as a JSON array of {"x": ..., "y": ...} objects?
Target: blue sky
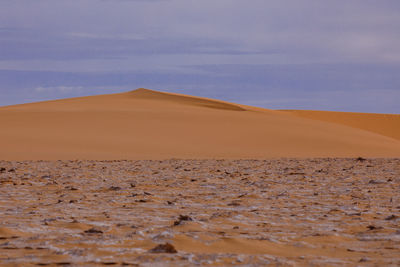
[{"x": 300, "y": 54}]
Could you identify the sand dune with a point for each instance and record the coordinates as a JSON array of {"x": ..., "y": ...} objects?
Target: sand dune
[
  {"x": 384, "y": 124},
  {"x": 145, "y": 124}
]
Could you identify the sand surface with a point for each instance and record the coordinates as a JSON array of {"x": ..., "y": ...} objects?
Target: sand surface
[
  {"x": 286, "y": 212},
  {"x": 384, "y": 124},
  {"x": 145, "y": 124}
]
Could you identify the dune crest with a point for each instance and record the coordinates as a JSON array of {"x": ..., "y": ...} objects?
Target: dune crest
[
  {"x": 143, "y": 93},
  {"x": 146, "y": 124}
]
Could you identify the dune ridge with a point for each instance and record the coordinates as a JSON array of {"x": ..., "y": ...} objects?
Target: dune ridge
[
  {"x": 146, "y": 124},
  {"x": 143, "y": 93}
]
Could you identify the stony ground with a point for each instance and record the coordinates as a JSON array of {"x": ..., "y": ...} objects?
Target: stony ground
[{"x": 287, "y": 212}]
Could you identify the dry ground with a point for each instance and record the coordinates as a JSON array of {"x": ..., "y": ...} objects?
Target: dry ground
[{"x": 324, "y": 212}]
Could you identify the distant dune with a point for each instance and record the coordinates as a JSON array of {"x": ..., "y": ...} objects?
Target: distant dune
[{"x": 146, "y": 124}]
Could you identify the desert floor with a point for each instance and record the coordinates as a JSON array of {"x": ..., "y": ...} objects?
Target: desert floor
[{"x": 288, "y": 212}]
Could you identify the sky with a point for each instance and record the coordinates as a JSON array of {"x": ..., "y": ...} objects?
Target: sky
[{"x": 341, "y": 55}]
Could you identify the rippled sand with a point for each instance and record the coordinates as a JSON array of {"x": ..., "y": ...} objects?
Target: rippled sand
[{"x": 213, "y": 212}]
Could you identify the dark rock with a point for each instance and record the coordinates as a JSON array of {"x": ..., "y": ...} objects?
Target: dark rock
[
  {"x": 391, "y": 217},
  {"x": 234, "y": 203},
  {"x": 372, "y": 227},
  {"x": 71, "y": 188},
  {"x": 164, "y": 248},
  {"x": 374, "y": 182},
  {"x": 182, "y": 218},
  {"x": 115, "y": 188},
  {"x": 361, "y": 159},
  {"x": 93, "y": 231}
]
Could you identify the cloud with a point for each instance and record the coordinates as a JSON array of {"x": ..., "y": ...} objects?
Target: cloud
[
  {"x": 62, "y": 89},
  {"x": 306, "y": 31}
]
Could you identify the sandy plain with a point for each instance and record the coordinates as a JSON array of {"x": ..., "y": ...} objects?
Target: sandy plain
[
  {"x": 285, "y": 212},
  {"x": 252, "y": 186}
]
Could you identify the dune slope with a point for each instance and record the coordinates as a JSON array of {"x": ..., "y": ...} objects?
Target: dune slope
[
  {"x": 384, "y": 124},
  {"x": 145, "y": 124}
]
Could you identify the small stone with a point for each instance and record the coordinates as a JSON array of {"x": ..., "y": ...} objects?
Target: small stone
[
  {"x": 93, "y": 231},
  {"x": 71, "y": 188},
  {"x": 182, "y": 218},
  {"x": 164, "y": 248},
  {"x": 234, "y": 203},
  {"x": 391, "y": 217},
  {"x": 372, "y": 227},
  {"x": 374, "y": 182},
  {"x": 115, "y": 188}
]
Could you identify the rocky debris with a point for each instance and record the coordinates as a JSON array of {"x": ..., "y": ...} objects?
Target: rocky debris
[
  {"x": 163, "y": 248},
  {"x": 318, "y": 203}
]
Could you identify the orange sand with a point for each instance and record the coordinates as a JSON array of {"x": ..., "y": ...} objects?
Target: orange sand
[
  {"x": 384, "y": 124},
  {"x": 145, "y": 124}
]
